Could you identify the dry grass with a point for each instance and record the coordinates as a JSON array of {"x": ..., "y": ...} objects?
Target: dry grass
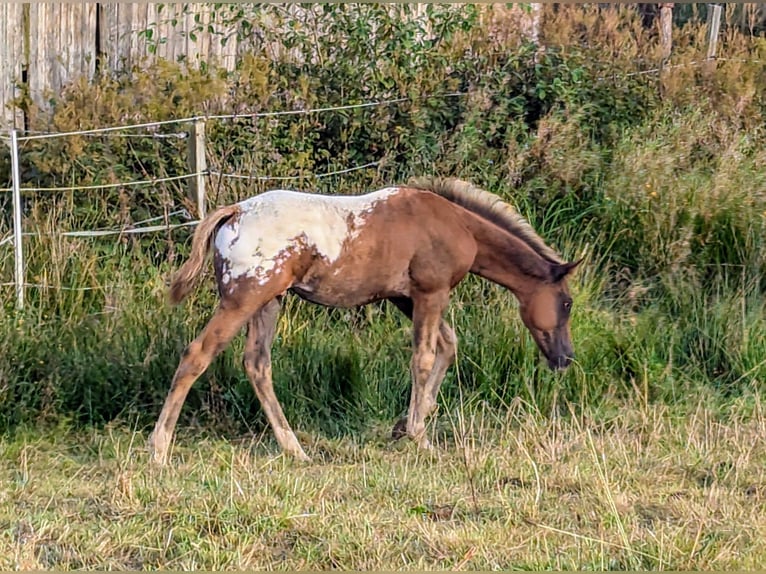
[{"x": 645, "y": 490}]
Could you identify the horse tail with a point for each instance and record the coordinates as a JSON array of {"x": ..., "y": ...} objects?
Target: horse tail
[{"x": 185, "y": 278}]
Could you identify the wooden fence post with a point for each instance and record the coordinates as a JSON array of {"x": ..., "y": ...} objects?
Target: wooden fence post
[
  {"x": 666, "y": 29},
  {"x": 714, "y": 27},
  {"x": 198, "y": 166}
]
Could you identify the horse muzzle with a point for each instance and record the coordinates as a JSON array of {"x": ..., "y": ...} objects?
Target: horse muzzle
[{"x": 560, "y": 362}]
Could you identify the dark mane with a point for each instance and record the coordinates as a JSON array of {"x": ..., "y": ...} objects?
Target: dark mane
[{"x": 488, "y": 206}]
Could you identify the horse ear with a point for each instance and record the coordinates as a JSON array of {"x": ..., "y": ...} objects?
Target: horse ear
[{"x": 561, "y": 270}]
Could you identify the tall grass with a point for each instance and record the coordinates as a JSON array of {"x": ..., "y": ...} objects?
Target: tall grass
[{"x": 656, "y": 179}]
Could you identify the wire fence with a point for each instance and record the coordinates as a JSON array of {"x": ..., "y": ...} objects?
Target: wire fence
[
  {"x": 243, "y": 115},
  {"x": 58, "y": 287},
  {"x": 293, "y": 177},
  {"x": 198, "y": 171},
  {"x": 153, "y": 181},
  {"x": 691, "y": 63}
]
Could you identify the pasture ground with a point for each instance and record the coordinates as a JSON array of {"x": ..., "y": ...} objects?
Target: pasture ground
[
  {"x": 645, "y": 487},
  {"x": 657, "y": 178}
]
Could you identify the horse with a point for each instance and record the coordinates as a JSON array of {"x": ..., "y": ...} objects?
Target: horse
[{"x": 409, "y": 244}]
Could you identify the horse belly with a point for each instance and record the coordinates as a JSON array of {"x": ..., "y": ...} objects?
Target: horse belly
[{"x": 351, "y": 282}]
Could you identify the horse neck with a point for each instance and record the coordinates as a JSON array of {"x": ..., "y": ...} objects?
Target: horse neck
[{"x": 505, "y": 259}]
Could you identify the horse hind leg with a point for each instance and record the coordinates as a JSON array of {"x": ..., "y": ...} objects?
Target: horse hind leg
[
  {"x": 257, "y": 362},
  {"x": 218, "y": 332}
]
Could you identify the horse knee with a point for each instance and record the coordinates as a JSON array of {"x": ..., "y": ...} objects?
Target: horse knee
[
  {"x": 448, "y": 343},
  {"x": 424, "y": 362},
  {"x": 193, "y": 348}
]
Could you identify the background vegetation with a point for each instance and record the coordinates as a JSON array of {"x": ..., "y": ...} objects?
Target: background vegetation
[{"x": 656, "y": 176}]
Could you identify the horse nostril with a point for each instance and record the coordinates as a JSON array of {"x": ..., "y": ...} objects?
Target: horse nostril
[
  {"x": 564, "y": 361},
  {"x": 559, "y": 363}
]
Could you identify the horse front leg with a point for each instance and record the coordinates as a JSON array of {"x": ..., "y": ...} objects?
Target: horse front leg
[
  {"x": 446, "y": 351},
  {"x": 426, "y": 319}
]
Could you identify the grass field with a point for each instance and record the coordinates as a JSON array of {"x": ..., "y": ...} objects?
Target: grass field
[
  {"x": 648, "y": 453},
  {"x": 642, "y": 489}
]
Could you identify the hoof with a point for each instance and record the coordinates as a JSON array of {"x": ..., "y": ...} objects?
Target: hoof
[
  {"x": 400, "y": 429},
  {"x": 425, "y": 444},
  {"x": 157, "y": 453},
  {"x": 289, "y": 445},
  {"x": 300, "y": 456},
  {"x": 157, "y": 458}
]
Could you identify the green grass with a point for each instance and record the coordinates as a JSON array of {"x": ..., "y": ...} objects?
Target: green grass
[
  {"x": 95, "y": 355},
  {"x": 646, "y": 488},
  {"x": 647, "y": 453}
]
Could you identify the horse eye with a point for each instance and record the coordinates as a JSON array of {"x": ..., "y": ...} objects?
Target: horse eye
[{"x": 567, "y": 305}]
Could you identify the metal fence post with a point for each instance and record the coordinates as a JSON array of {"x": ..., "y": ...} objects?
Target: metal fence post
[{"x": 17, "y": 247}]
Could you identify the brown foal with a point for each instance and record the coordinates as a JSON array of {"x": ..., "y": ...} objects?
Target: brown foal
[{"x": 410, "y": 244}]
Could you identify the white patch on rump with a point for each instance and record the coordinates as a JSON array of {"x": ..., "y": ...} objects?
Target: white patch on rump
[{"x": 255, "y": 243}]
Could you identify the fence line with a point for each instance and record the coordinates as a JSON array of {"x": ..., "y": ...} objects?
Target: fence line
[
  {"x": 254, "y": 115},
  {"x": 195, "y": 177},
  {"x": 197, "y": 172},
  {"x": 327, "y": 109},
  {"x": 257, "y": 115},
  {"x": 686, "y": 64},
  {"x": 657, "y": 70},
  {"x": 15, "y": 138},
  {"x": 152, "y": 135},
  {"x": 292, "y": 177},
  {"x": 182, "y": 212},
  {"x": 125, "y": 231},
  {"x": 128, "y": 229},
  {"x": 307, "y": 111},
  {"x": 48, "y": 135},
  {"x": 682, "y": 65},
  {"x": 60, "y": 287},
  {"x": 113, "y": 185}
]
